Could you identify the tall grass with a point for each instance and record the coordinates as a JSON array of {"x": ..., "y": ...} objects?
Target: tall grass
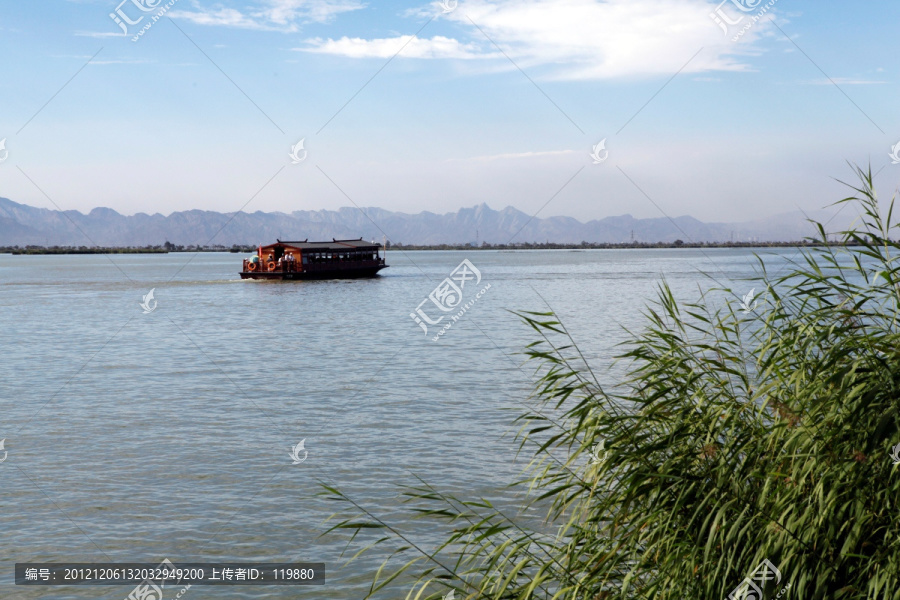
[{"x": 736, "y": 437}]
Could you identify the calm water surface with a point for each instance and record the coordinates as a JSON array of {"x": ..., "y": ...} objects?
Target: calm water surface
[{"x": 133, "y": 437}]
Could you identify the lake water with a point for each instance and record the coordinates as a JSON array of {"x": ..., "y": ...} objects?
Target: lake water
[{"x": 134, "y": 437}]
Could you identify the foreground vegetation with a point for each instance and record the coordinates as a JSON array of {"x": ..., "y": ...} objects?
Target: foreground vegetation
[{"x": 742, "y": 434}]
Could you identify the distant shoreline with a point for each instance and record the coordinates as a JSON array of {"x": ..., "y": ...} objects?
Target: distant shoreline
[{"x": 236, "y": 249}]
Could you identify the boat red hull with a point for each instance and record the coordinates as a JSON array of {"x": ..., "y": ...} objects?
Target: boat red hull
[{"x": 348, "y": 273}]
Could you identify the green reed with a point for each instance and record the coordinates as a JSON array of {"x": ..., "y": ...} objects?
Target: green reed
[{"x": 737, "y": 436}]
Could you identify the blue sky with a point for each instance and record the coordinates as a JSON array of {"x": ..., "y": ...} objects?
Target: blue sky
[{"x": 493, "y": 101}]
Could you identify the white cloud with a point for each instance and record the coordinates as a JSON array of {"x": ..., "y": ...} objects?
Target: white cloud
[
  {"x": 280, "y": 15},
  {"x": 436, "y": 47},
  {"x": 577, "y": 39},
  {"x": 227, "y": 17},
  {"x": 320, "y": 11},
  {"x": 591, "y": 39}
]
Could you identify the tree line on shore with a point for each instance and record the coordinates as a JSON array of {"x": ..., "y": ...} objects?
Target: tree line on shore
[{"x": 245, "y": 248}]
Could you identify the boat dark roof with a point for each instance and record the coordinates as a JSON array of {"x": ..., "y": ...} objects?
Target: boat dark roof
[{"x": 358, "y": 244}]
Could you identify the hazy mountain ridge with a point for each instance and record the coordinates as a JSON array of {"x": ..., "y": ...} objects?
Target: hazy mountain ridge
[{"x": 22, "y": 225}]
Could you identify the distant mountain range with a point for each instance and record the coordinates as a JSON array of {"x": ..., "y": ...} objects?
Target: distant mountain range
[{"x": 26, "y": 225}]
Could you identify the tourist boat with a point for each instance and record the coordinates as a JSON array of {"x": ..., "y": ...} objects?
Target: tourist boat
[{"x": 337, "y": 259}]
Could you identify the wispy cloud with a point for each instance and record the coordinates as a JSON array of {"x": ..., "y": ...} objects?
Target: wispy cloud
[
  {"x": 100, "y": 34},
  {"x": 227, "y": 17},
  {"x": 516, "y": 155},
  {"x": 436, "y": 47},
  {"x": 113, "y": 61},
  {"x": 275, "y": 15},
  {"x": 843, "y": 81},
  {"x": 123, "y": 61},
  {"x": 576, "y": 39}
]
